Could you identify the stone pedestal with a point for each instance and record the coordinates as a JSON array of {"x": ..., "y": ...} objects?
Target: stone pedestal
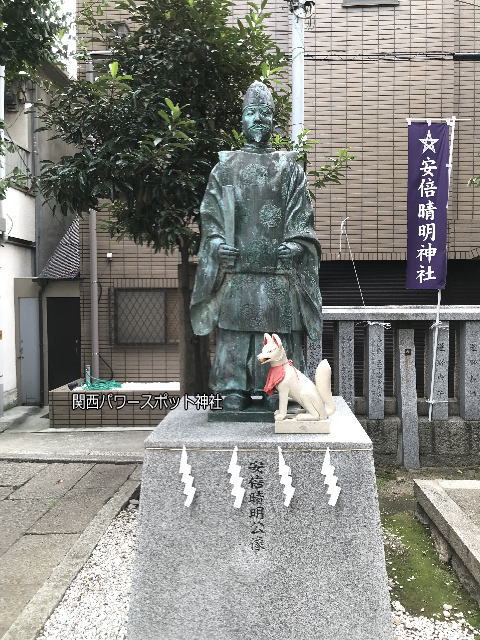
[{"x": 265, "y": 571}]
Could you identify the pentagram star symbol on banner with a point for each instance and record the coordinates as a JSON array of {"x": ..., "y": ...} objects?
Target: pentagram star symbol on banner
[{"x": 428, "y": 142}]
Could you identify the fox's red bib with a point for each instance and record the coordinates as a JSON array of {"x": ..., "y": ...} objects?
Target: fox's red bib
[{"x": 275, "y": 376}]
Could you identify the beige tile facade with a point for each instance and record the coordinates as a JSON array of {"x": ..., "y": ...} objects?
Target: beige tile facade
[
  {"x": 367, "y": 69},
  {"x": 131, "y": 266}
]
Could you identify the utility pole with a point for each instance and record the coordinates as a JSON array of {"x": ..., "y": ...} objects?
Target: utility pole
[
  {"x": 298, "y": 68},
  {"x": 92, "y": 235},
  {"x": 92, "y": 230},
  {"x": 300, "y": 10}
]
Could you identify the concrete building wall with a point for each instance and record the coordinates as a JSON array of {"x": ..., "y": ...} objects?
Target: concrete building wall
[
  {"x": 19, "y": 209},
  {"x": 464, "y": 226},
  {"x": 51, "y": 227},
  {"x": 33, "y": 232}
]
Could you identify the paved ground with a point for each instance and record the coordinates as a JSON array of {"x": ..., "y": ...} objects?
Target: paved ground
[
  {"x": 27, "y": 436},
  {"x": 44, "y": 509}
]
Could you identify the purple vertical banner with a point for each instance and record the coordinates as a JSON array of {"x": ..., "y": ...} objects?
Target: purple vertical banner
[{"x": 428, "y": 156}]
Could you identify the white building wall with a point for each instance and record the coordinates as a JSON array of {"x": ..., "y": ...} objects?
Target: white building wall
[
  {"x": 19, "y": 210},
  {"x": 15, "y": 262}
]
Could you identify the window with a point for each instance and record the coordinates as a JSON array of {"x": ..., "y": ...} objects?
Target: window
[{"x": 144, "y": 316}]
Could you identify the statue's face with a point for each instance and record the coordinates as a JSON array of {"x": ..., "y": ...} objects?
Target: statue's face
[{"x": 257, "y": 123}]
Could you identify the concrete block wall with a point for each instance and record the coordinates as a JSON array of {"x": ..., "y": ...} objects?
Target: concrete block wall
[
  {"x": 449, "y": 443},
  {"x": 115, "y": 413}
]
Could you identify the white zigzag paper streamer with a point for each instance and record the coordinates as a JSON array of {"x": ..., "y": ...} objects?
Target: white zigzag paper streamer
[
  {"x": 187, "y": 478},
  {"x": 285, "y": 472},
  {"x": 330, "y": 479},
  {"x": 234, "y": 470}
]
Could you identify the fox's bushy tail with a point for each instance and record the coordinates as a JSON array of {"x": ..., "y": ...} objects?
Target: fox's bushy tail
[{"x": 323, "y": 382}]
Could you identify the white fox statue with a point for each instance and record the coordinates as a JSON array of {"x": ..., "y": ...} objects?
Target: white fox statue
[{"x": 316, "y": 399}]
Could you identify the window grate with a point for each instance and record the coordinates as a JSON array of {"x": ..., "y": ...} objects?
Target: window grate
[{"x": 144, "y": 316}]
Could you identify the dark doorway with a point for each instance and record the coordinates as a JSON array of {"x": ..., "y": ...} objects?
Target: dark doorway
[{"x": 63, "y": 330}]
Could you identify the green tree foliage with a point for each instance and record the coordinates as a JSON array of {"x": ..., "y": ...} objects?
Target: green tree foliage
[
  {"x": 149, "y": 133},
  {"x": 30, "y": 33},
  {"x": 474, "y": 182}
]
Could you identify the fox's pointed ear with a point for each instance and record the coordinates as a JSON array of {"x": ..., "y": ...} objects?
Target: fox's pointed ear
[
  {"x": 266, "y": 338},
  {"x": 277, "y": 340}
]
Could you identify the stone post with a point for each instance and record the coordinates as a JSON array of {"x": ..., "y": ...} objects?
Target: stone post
[
  {"x": 343, "y": 359},
  {"x": 313, "y": 356},
  {"x": 440, "y": 389},
  {"x": 468, "y": 381},
  {"x": 406, "y": 393},
  {"x": 374, "y": 370}
]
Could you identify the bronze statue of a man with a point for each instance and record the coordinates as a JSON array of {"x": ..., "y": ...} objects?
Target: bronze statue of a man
[{"x": 259, "y": 257}]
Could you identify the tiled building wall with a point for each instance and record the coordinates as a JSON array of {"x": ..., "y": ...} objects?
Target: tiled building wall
[
  {"x": 131, "y": 266},
  {"x": 367, "y": 69},
  {"x": 464, "y": 226}
]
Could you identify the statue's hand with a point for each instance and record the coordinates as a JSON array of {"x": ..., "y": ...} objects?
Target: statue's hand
[
  {"x": 289, "y": 250},
  {"x": 227, "y": 254}
]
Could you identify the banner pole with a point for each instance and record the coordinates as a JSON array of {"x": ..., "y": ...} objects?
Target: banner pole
[
  {"x": 435, "y": 344},
  {"x": 451, "y": 122}
]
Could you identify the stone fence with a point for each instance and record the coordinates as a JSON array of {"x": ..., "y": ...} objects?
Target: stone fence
[{"x": 415, "y": 439}]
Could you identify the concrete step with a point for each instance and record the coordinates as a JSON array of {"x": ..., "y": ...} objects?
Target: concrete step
[
  {"x": 17, "y": 415},
  {"x": 451, "y": 508}
]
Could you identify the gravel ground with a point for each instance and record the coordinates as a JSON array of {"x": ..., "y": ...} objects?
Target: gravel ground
[
  {"x": 408, "y": 627},
  {"x": 95, "y": 606}
]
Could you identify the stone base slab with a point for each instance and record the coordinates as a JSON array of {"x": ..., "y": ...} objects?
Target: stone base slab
[
  {"x": 265, "y": 571},
  {"x": 256, "y": 412},
  {"x": 293, "y": 425}
]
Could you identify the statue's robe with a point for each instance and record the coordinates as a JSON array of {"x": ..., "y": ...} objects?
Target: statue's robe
[{"x": 259, "y": 292}]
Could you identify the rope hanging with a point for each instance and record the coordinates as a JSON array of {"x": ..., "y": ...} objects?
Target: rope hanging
[{"x": 343, "y": 232}]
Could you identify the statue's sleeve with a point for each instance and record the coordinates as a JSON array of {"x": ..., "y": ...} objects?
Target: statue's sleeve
[
  {"x": 204, "y": 303},
  {"x": 300, "y": 229}
]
